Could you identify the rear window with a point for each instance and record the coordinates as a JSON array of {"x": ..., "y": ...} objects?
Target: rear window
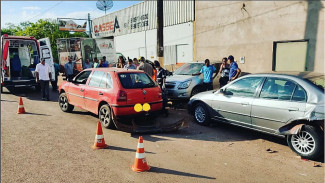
[{"x": 136, "y": 80}]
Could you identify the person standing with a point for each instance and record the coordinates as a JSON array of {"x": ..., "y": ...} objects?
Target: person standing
[
  {"x": 207, "y": 72},
  {"x": 56, "y": 72},
  {"x": 103, "y": 63},
  {"x": 43, "y": 75},
  {"x": 88, "y": 64},
  {"x": 161, "y": 79},
  {"x": 224, "y": 71},
  {"x": 121, "y": 62},
  {"x": 130, "y": 65},
  {"x": 69, "y": 67},
  {"x": 234, "y": 70},
  {"x": 146, "y": 67},
  {"x": 135, "y": 62},
  {"x": 96, "y": 64}
]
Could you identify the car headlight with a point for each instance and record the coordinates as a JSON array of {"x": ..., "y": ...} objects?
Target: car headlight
[{"x": 184, "y": 84}]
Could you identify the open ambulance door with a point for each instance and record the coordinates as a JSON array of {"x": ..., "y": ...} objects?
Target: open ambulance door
[{"x": 46, "y": 53}]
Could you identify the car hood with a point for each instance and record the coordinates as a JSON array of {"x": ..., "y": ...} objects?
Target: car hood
[
  {"x": 203, "y": 95},
  {"x": 179, "y": 78}
]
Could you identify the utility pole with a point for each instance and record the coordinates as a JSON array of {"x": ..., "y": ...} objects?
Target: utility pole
[
  {"x": 89, "y": 25},
  {"x": 160, "y": 32}
]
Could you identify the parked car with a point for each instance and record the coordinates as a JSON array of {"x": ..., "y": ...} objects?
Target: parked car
[
  {"x": 181, "y": 84},
  {"x": 111, "y": 93},
  {"x": 279, "y": 104}
]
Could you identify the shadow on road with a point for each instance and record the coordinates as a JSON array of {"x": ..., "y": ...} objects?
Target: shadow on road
[
  {"x": 31, "y": 113},
  {"x": 125, "y": 149},
  {"x": 31, "y": 93},
  {"x": 174, "y": 172}
]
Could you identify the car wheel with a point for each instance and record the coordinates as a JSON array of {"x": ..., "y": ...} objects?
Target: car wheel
[
  {"x": 196, "y": 90},
  {"x": 105, "y": 116},
  {"x": 308, "y": 143},
  {"x": 64, "y": 103},
  {"x": 201, "y": 114}
]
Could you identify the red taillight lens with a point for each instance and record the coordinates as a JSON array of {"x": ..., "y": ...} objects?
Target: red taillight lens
[
  {"x": 121, "y": 97},
  {"x": 159, "y": 95}
]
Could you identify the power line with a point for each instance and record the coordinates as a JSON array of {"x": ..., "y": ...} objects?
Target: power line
[{"x": 44, "y": 11}]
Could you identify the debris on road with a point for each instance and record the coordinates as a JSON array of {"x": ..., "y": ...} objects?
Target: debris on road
[
  {"x": 317, "y": 165},
  {"x": 271, "y": 151}
]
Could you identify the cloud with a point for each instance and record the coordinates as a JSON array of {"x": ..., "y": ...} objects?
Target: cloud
[{"x": 31, "y": 8}]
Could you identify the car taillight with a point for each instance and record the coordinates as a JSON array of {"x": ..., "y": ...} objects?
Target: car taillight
[
  {"x": 159, "y": 95},
  {"x": 121, "y": 97}
]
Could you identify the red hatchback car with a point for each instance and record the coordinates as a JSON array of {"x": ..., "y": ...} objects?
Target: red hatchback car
[{"x": 110, "y": 92}]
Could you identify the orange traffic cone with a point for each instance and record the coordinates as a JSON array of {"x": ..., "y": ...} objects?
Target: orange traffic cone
[
  {"x": 140, "y": 163},
  {"x": 21, "y": 109},
  {"x": 99, "y": 138}
]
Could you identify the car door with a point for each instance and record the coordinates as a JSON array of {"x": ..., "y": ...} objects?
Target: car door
[
  {"x": 46, "y": 53},
  {"x": 234, "y": 104},
  {"x": 94, "y": 90},
  {"x": 279, "y": 101},
  {"x": 76, "y": 89}
]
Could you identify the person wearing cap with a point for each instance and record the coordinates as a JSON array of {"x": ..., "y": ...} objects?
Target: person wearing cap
[
  {"x": 208, "y": 77},
  {"x": 146, "y": 67},
  {"x": 69, "y": 67},
  {"x": 234, "y": 70},
  {"x": 43, "y": 75}
]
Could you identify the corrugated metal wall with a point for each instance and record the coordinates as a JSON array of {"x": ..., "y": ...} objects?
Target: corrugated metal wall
[{"x": 142, "y": 16}]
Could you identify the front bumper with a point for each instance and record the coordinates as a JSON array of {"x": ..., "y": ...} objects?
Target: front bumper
[
  {"x": 19, "y": 83},
  {"x": 175, "y": 93}
]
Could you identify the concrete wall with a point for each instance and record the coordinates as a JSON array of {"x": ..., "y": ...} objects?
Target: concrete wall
[
  {"x": 133, "y": 45},
  {"x": 225, "y": 27}
]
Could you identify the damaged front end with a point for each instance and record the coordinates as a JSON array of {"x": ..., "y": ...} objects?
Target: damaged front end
[{"x": 314, "y": 116}]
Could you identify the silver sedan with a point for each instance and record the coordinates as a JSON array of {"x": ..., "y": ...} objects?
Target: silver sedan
[{"x": 279, "y": 104}]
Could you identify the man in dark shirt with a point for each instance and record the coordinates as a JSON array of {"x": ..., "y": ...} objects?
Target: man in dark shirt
[
  {"x": 161, "y": 78},
  {"x": 234, "y": 70}
]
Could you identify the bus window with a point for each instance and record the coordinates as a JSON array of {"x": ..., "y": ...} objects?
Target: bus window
[{"x": 62, "y": 46}]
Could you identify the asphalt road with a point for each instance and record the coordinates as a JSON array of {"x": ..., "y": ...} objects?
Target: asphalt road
[{"x": 48, "y": 145}]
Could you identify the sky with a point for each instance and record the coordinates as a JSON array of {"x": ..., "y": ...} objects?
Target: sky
[{"x": 20, "y": 11}]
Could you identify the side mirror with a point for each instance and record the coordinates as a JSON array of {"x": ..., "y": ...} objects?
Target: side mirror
[{"x": 221, "y": 91}]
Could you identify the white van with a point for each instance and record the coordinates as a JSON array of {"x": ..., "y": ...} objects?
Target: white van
[{"x": 19, "y": 56}]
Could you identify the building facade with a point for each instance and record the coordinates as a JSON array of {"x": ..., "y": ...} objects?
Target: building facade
[
  {"x": 263, "y": 36},
  {"x": 135, "y": 30}
]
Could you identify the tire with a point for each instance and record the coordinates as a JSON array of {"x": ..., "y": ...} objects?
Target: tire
[
  {"x": 196, "y": 90},
  {"x": 64, "y": 103},
  {"x": 201, "y": 114},
  {"x": 308, "y": 143},
  {"x": 105, "y": 117}
]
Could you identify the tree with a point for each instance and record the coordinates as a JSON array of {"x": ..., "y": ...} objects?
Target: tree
[{"x": 41, "y": 29}]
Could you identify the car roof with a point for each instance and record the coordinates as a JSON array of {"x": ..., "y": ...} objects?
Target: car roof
[{"x": 114, "y": 69}]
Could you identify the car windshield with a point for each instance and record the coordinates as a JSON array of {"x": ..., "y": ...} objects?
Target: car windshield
[
  {"x": 136, "y": 80},
  {"x": 189, "y": 69}
]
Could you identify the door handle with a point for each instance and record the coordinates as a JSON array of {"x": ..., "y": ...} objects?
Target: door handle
[
  {"x": 100, "y": 93},
  {"x": 293, "y": 109},
  {"x": 82, "y": 90}
]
